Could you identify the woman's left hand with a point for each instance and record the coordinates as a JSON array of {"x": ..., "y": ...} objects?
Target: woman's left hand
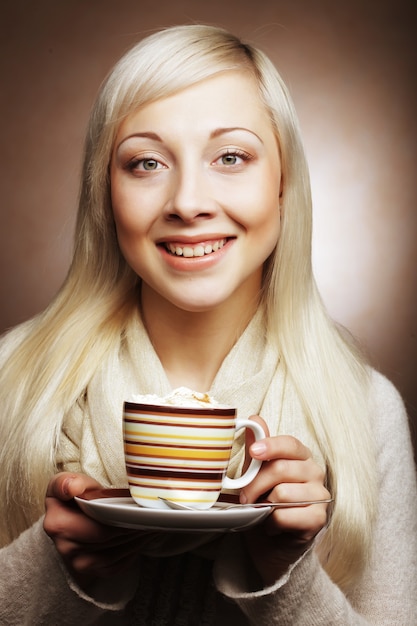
[{"x": 288, "y": 474}]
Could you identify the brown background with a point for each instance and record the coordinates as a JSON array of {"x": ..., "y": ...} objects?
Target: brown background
[{"x": 351, "y": 67}]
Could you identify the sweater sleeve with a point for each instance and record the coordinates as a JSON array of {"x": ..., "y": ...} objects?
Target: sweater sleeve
[
  {"x": 386, "y": 594},
  {"x": 35, "y": 588}
]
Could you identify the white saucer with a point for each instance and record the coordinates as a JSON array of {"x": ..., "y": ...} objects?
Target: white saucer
[{"x": 116, "y": 507}]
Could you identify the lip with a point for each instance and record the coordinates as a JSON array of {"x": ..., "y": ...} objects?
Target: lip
[{"x": 183, "y": 240}]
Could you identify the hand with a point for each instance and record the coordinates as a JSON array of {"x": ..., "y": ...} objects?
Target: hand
[
  {"x": 288, "y": 474},
  {"x": 90, "y": 550}
]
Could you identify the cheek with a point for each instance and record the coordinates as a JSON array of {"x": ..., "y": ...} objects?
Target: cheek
[
  {"x": 135, "y": 209},
  {"x": 128, "y": 228},
  {"x": 269, "y": 204},
  {"x": 263, "y": 216},
  {"x": 264, "y": 227},
  {"x": 120, "y": 206},
  {"x": 270, "y": 233},
  {"x": 128, "y": 215}
]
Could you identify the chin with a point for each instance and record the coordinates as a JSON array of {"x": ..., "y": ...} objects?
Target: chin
[
  {"x": 199, "y": 304},
  {"x": 198, "y": 307}
]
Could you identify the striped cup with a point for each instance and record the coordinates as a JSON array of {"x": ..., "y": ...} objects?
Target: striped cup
[{"x": 182, "y": 454}]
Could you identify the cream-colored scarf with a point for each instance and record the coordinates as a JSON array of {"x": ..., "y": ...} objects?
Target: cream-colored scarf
[{"x": 251, "y": 377}]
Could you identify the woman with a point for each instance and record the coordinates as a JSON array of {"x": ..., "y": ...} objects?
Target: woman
[{"x": 192, "y": 266}]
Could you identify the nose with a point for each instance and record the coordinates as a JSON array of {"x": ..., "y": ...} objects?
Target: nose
[{"x": 190, "y": 196}]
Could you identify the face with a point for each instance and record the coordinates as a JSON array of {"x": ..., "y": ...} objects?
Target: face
[{"x": 195, "y": 186}]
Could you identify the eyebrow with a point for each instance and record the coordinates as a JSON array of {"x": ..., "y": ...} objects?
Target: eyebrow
[
  {"x": 215, "y": 133},
  {"x": 146, "y": 135},
  {"x": 223, "y": 131}
]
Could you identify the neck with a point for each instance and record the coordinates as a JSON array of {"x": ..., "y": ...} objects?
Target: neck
[{"x": 192, "y": 346}]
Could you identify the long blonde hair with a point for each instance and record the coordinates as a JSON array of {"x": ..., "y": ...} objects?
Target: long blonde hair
[{"x": 51, "y": 359}]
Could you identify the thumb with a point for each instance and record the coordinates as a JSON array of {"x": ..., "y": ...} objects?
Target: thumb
[
  {"x": 250, "y": 438},
  {"x": 66, "y": 485}
]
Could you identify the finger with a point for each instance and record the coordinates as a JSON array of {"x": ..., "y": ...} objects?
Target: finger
[
  {"x": 66, "y": 485},
  {"x": 280, "y": 447},
  {"x": 101, "y": 565},
  {"x": 276, "y": 476},
  {"x": 285, "y": 472},
  {"x": 305, "y": 522},
  {"x": 298, "y": 492},
  {"x": 250, "y": 438},
  {"x": 65, "y": 520}
]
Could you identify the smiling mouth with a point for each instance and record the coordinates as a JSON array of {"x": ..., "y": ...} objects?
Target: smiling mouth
[{"x": 200, "y": 249}]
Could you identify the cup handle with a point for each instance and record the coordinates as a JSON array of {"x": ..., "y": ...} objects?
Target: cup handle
[{"x": 255, "y": 464}]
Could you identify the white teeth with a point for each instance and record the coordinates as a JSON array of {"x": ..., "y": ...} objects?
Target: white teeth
[
  {"x": 198, "y": 250},
  {"x": 187, "y": 252}
]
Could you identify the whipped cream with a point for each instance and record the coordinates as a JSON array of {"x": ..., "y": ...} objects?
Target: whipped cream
[{"x": 182, "y": 396}]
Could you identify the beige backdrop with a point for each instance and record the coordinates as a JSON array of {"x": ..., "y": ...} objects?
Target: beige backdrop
[{"x": 351, "y": 67}]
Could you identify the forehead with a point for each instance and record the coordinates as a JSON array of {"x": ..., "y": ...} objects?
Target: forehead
[{"x": 228, "y": 99}]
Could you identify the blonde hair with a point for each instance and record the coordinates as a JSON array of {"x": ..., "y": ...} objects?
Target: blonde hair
[{"x": 52, "y": 358}]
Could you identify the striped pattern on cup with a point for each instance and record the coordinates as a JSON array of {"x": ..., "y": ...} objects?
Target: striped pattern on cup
[{"x": 177, "y": 453}]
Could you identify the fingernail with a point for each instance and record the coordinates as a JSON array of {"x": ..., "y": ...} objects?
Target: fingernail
[
  {"x": 242, "y": 498},
  {"x": 65, "y": 486},
  {"x": 258, "y": 448}
]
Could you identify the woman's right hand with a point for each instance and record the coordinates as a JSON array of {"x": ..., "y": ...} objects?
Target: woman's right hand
[{"x": 90, "y": 550}]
